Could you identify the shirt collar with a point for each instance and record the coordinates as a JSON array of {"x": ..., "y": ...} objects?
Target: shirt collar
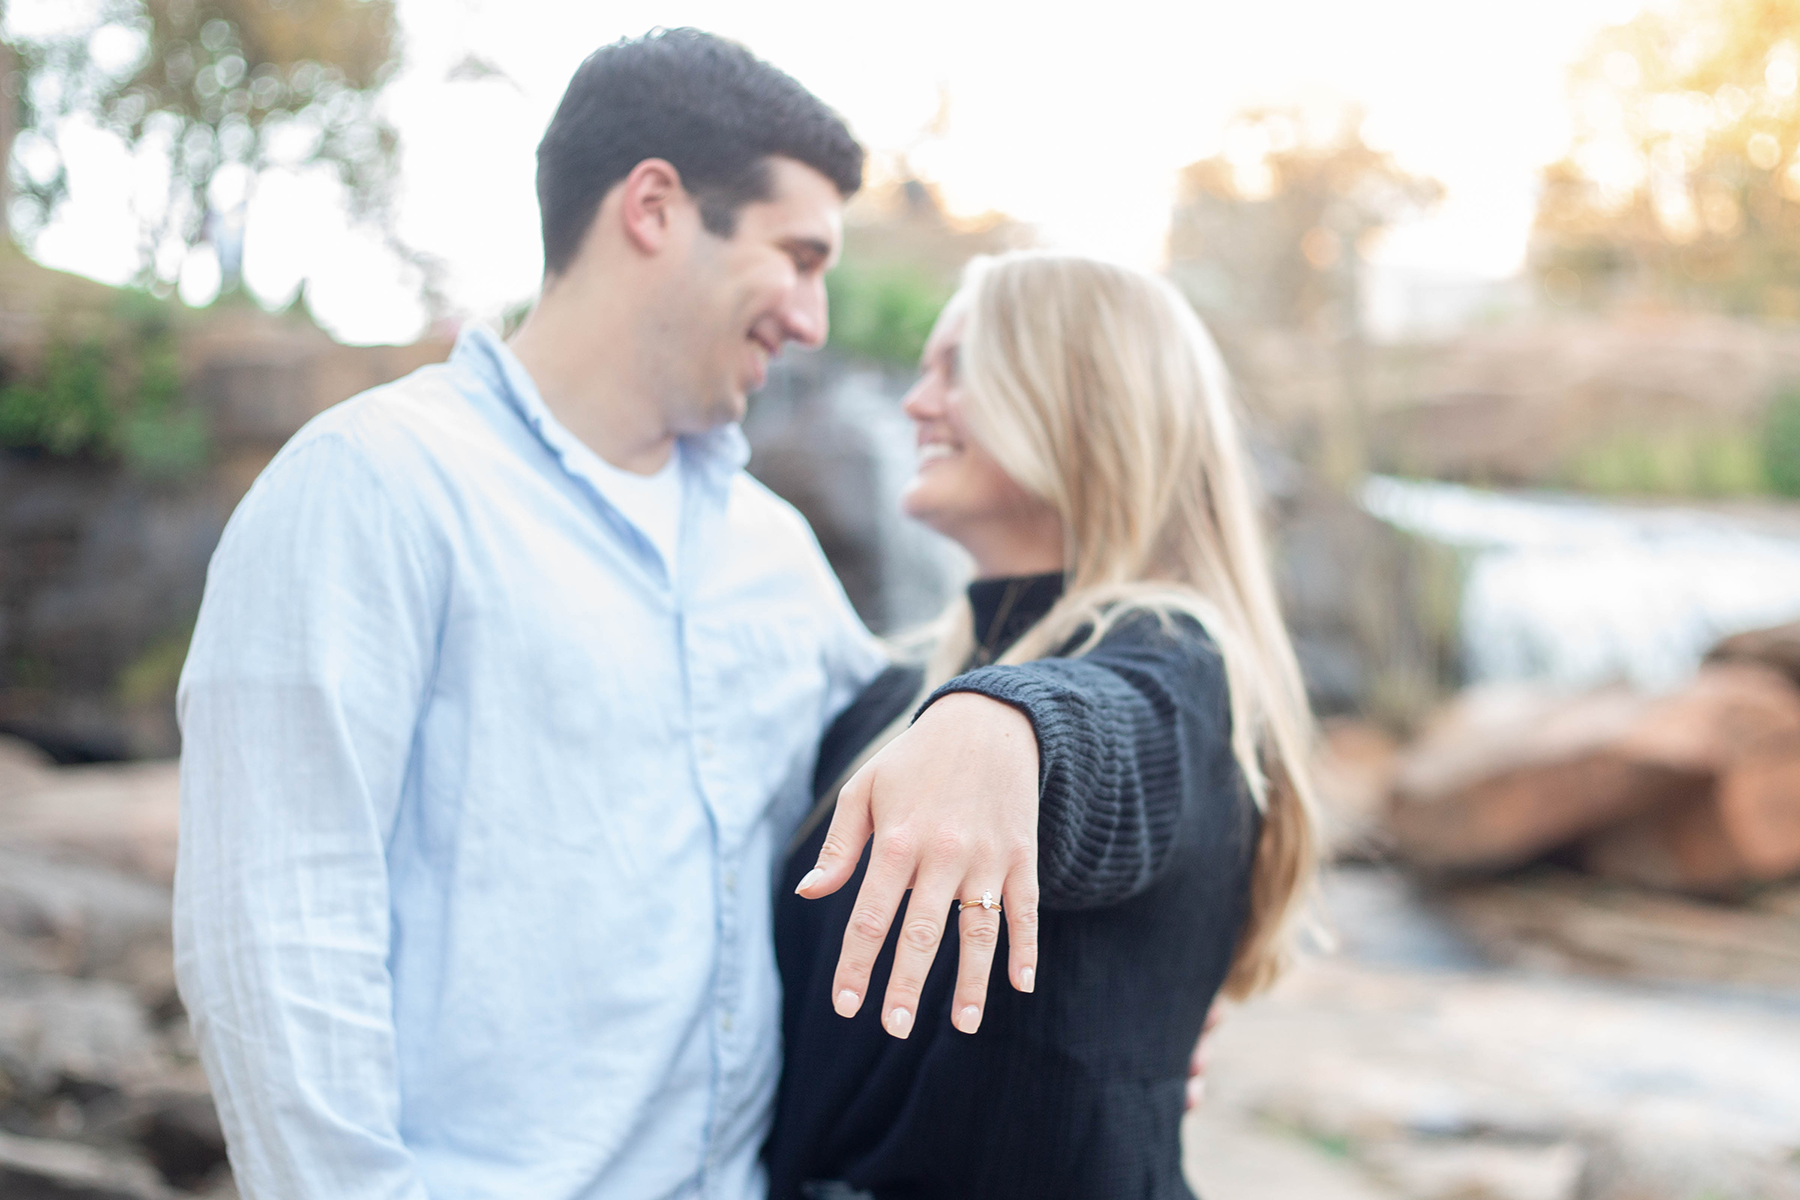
[{"x": 716, "y": 455}]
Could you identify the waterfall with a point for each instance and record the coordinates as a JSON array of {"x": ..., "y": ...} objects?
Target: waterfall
[{"x": 1577, "y": 592}]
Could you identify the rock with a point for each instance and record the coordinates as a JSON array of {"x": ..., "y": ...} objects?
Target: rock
[
  {"x": 1372, "y": 609},
  {"x": 1557, "y": 921},
  {"x": 1667, "y": 1165},
  {"x": 220, "y": 1186},
  {"x": 1745, "y": 830},
  {"x": 23, "y": 770},
  {"x": 88, "y": 922},
  {"x": 1729, "y": 712},
  {"x": 1505, "y": 774},
  {"x": 120, "y": 815},
  {"x": 1740, "y": 721},
  {"x": 36, "y": 1169},
  {"x": 1696, "y": 1088},
  {"x": 1468, "y": 1169},
  {"x": 180, "y": 1133},
  {"x": 1778, "y": 647},
  {"x": 1759, "y": 809},
  {"x": 1508, "y": 774},
  {"x": 1354, "y": 772},
  {"x": 1228, "y": 1156},
  {"x": 835, "y": 445},
  {"x": 89, "y": 1037}
]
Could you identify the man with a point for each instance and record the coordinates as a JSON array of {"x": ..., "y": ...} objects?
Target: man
[{"x": 505, "y": 693}]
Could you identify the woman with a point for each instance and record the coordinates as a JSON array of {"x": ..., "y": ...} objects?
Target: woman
[{"x": 1076, "y": 437}]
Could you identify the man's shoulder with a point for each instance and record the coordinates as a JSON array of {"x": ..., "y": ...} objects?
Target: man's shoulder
[
  {"x": 760, "y": 517},
  {"x": 425, "y": 414}
]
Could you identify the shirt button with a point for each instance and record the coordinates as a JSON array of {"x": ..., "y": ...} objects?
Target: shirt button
[
  {"x": 725, "y": 1022},
  {"x": 706, "y": 748},
  {"x": 731, "y": 881}
]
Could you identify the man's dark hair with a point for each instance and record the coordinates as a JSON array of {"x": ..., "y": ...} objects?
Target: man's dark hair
[{"x": 714, "y": 110}]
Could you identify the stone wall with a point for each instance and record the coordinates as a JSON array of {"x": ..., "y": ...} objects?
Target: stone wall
[{"x": 101, "y": 571}]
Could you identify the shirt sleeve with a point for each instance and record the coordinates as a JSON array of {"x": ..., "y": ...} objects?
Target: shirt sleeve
[
  {"x": 310, "y": 661},
  {"x": 1122, "y": 732}
]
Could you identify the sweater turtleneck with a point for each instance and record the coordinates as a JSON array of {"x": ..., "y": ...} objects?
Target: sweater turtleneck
[{"x": 1005, "y": 608}]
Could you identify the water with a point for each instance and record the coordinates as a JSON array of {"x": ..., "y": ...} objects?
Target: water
[{"x": 1577, "y": 592}]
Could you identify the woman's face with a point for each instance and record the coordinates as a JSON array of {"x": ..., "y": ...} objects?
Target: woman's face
[{"x": 959, "y": 489}]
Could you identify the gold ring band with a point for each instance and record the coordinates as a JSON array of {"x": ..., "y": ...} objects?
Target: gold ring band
[{"x": 987, "y": 901}]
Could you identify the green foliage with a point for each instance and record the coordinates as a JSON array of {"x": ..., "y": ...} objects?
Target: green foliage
[
  {"x": 151, "y": 677},
  {"x": 103, "y": 398},
  {"x": 1711, "y": 463},
  {"x": 1781, "y": 444},
  {"x": 64, "y": 410},
  {"x": 883, "y": 312}
]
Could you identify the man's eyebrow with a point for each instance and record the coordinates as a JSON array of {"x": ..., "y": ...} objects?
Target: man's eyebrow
[{"x": 817, "y": 247}]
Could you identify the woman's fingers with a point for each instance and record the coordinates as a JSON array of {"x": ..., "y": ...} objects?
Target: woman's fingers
[
  {"x": 883, "y": 889},
  {"x": 1021, "y": 914},
  {"x": 844, "y": 840},
  {"x": 921, "y": 932},
  {"x": 978, "y": 930}
]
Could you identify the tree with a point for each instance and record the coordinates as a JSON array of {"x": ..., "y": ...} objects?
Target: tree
[
  {"x": 219, "y": 91},
  {"x": 1272, "y": 231},
  {"x": 1681, "y": 184}
]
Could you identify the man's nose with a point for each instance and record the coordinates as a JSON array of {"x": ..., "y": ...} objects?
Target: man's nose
[{"x": 805, "y": 318}]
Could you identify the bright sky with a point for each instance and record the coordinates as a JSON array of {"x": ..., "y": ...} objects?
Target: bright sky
[{"x": 1071, "y": 117}]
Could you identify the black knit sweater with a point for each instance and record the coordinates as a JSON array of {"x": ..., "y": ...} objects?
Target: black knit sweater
[{"x": 1146, "y": 838}]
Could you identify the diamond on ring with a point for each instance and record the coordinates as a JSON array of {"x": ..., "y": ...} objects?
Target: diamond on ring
[{"x": 987, "y": 901}]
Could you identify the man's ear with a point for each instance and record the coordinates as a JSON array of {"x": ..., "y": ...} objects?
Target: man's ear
[{"x": 652, "y": 201}]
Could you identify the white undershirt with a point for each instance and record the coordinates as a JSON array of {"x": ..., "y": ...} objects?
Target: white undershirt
[{"x": 651, "y": 502}]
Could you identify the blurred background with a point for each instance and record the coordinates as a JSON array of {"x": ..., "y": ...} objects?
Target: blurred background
[{"x": 1512, "y": 297}]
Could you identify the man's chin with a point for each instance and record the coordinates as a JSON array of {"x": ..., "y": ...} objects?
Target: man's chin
[{"x": 730, "y": 409}]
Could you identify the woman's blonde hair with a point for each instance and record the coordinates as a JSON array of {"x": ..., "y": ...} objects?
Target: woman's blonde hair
[{"x": 1098, "y": 390}]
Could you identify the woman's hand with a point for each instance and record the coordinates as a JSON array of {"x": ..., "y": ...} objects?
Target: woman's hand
[{"x": 952, "y": 805}]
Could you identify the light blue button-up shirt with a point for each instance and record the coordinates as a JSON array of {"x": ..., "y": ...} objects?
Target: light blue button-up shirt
[{"x": 479, "y": 814}]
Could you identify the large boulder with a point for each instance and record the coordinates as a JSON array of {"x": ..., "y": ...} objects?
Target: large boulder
[
  {"x": 1505, "y": 775},
  {"x": 1778, "y": 647},
  {"x": 1745, "y": 830},
  {"x": 1739, "y": 721}
]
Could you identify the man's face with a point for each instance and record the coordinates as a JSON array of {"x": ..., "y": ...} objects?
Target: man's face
[{"x": 741, "y": 298}]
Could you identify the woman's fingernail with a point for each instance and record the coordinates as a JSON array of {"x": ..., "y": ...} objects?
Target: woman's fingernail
[
  {"x": 811, "y": 877},
  {"x": 1027, "y": 979},
  {"x": 899, "y": 1022},
  {"x": 847, "y": 1003},
  {"x": 969, "y": 1019}
]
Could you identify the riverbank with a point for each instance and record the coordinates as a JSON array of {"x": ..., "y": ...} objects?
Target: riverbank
[{"x": 1410, "y": 1065}]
